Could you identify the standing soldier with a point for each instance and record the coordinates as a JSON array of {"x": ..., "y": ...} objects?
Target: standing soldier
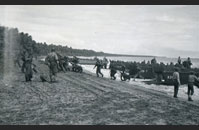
[
  {"x": 61, "y": 62},
  {"x": 65, "y": 63},
  {"x": 52, "y": 62},
  {"x": 74, "y": 62},
  {"x": 105, "y": 62},
  {"x": 113, "y": 71},
  {"x": 123, "y": 68},
  {"x": 176, "y": 81},
  {"x": 23, "y": 60},
  {"x": 99, "y": 66},
  {"x": 191, "y": 79},
  {"x": 189, "y": 63},
  {"x": 28, "y": 66},
  {"x": 153, "y": 61},
  {"x": 179, "y": 60}
]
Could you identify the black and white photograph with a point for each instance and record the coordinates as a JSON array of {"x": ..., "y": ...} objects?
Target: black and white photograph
[{"x": 99, "y": 64}]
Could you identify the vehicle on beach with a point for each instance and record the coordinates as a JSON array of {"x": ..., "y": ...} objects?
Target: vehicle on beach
[
  {"x": 70, "y": 67},
  {"x": 76, "y": 68}
]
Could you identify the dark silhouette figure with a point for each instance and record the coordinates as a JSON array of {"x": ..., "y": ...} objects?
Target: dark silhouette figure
[
  {"x": 99, "y": 66},
  {"x": 176, "y": 82}
]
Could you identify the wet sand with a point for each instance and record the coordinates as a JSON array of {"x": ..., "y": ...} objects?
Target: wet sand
[{"x": 84, "y": 99}]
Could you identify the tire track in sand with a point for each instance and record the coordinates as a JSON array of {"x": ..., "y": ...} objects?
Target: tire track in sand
[{"x": 94, "y": 90}]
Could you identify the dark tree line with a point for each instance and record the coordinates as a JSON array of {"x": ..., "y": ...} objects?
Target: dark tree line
[{"x": 44, "y": 49}]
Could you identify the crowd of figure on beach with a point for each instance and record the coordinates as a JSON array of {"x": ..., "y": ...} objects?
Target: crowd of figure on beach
[
  {"x": 192, "y": 78},
  {"x": 53, "y": 60},
  {"x": 56, "y": 63}
]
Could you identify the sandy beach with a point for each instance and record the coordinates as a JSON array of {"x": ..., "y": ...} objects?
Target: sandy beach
[{"x": 84, "y": 99}]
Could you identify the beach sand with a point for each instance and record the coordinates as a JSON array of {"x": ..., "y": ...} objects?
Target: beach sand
[{"x": 84, "y": 99}]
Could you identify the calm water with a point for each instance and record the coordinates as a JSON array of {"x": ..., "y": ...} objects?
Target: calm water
[{"x": 165, "y": 60}]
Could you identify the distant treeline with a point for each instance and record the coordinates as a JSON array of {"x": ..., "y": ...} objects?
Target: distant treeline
[{"x": 44, "y": 49}]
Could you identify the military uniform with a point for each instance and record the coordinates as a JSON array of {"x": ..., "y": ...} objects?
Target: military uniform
[
  {"x": 176, "y": 81},
  {"x": 191, "y": 79},
  {"x": 65, "y": 64},
  {"x": 51, "y": 60},
  {"x": 112, "y": 71},
  {"x": 23, "y": 60},
  {"x": 28, "y": 67},
  {"x": 105, "y": 62},
  {"x": 98, "y": 70}
]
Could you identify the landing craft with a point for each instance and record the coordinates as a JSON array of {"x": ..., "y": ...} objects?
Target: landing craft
[
  {"x": 168, "y": 76},
  {"x": 164, "y": 75}
]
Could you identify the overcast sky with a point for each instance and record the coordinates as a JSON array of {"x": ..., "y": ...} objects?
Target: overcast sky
[{"x": 159, "y": 30}]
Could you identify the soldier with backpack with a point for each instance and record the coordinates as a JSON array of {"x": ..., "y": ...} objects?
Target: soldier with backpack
[
  {"x": 52, "y": 62},
  {"x": 113, "y": 71},
  {"x": 191, "y": 79},
  {"x": 99, "y": 66}
]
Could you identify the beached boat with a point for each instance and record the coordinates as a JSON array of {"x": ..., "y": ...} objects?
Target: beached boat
[
  {"x": 160, "y": 73},
  {"x": 168, "y": 76}
]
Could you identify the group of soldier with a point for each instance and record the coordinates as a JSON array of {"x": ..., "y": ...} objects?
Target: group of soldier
[
  {"x": 56, "y": 63},
  {"x": 186, "y": 64},
  {"x": 53, "y": 60},
  {"x": 192, "y": 78},
  {"x": 113, "y": 70},
  {"x": 103, "y": 64}
]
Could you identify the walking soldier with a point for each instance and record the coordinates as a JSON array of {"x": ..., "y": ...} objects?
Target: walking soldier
[
  {"x": 28, "y": 66},
  {"x": 191, "y": 79},
  {"x": 52, "y": 62},
  {"x": 176, "y": 82},
  {"x": 99, "y": 66}
]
